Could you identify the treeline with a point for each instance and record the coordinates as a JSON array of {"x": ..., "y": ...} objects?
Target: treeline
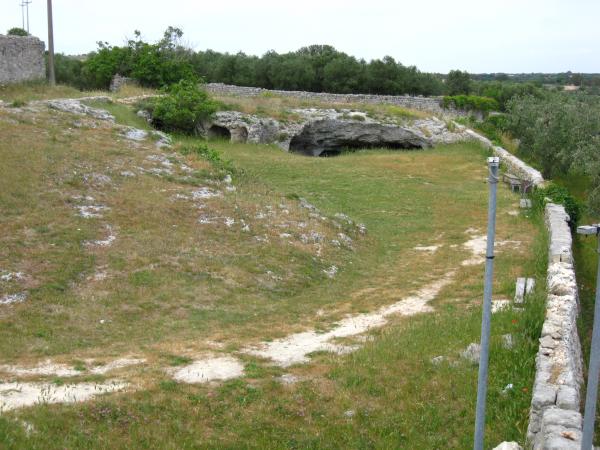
[
  {"x": 317, "y": 68},
  {"x": 539, "y": 79}
]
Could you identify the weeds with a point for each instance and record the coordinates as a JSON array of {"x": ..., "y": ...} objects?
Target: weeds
[{"x": 210, "y": 155}]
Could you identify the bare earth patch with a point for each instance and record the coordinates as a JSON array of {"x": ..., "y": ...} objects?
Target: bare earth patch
[
  {"x": 294, "y": 349},
  {"x": 209, "y": 369},
  {"x": 18, "y": 395}
]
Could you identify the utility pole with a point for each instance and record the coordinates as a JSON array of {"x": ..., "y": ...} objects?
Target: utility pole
[
  {"x": 51, "y": 76},
  {"x": 27, "y": 3},
  {"x": 493, "y": 166},
  {"x": 22, "y": 16}
]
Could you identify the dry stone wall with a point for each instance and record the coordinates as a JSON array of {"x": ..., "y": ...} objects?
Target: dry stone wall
[
  {"x": 555, "y": 420},
  {"x": 514, "y": 164},
  {"x": 428, "y": 104},
  {"x": 21, "y": 59}
]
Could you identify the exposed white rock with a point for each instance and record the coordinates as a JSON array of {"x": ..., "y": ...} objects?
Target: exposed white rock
[
  {"x": 19, "y": 395},
  {"x": 112, "y": 237},
  {"x": 204, "y": 193},
  {"x": 472, "y": 353},
  {"x": 135, "y": 134},
  {"x": 115, "y": 365},
  {"x": 288, "y": 378},
  {"x": 10, "y": 299},
  {"x": 91, "y": 211},
  {"x": 75, "y": 106},
  {"x": 209, "y": 369},
  {"x": 477, "y": 245},
  {"x": 437, "y": 360},
  {"x": 163, "y": 160},
  {"x": 331, "y": 272},
  {"x": 507, "y": 341},
  {"x": 429, "y": 248},
  {"x": 508, "y": 446},
  {"x": 294, "y": 349},
  {"x": 97, "y": 179},
  {"x": 11, "y": 276},
  {"x": 49, "y": 368},
  {"x": 500, "y": 305}
]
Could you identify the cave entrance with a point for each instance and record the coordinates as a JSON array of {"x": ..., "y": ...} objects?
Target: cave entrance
[
  {"x": 330, "y": 137},
  {"x": 336, "y": 148},
  {"x": 218, "y": 132}
]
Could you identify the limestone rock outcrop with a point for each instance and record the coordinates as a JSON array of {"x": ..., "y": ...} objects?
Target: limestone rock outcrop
[{"x": 320, "y": 132}]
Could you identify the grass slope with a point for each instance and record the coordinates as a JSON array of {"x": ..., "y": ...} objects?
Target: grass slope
[{"x": 171, "y": 287}]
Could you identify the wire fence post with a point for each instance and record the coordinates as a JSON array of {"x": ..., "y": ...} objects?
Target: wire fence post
[
  {"x": 493, "y": 165},
  {"x": 594, "y": 367}
]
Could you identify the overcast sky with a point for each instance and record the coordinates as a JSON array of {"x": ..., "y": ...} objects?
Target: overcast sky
[{"x": 435, "y": 35}]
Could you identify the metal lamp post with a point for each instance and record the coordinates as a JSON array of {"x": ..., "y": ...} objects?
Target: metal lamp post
[
  {"x": 494, "y": 165},
  {"x": 594, "y": 368}
]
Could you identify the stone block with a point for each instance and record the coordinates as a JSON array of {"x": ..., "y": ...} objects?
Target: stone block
[
  {"x": 568, "y": 398},
  {"x": 21, "y": 59}
]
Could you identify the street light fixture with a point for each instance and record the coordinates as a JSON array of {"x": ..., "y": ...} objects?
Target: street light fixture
[{"x": 594, "y": 368}]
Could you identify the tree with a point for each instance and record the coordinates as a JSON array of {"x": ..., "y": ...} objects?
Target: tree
[
  {"x": 561, "y": 132},
  {"x": 343, "y": 74},
  {"x": 458, "y": 83},
  {"x": 17, "y": 32}
]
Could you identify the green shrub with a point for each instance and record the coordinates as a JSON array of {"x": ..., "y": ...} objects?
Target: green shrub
[
  {"x": 211, "y": 155},
  {"x": 561, "y": 195},
  {"x": 471, "y": 103},
  {"x": 182, "y": 107},
  {"x": 498, "y": 121},
  {"x": 68, "y": 70},
  {"x": 17, "y": 32},
  {"x": 492, "y": 127}
]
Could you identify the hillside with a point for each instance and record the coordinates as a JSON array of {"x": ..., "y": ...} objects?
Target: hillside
[{"x": 178, "y": 293}]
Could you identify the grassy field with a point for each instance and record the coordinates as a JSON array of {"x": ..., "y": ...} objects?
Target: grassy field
[{"x": 197, "y": 265}]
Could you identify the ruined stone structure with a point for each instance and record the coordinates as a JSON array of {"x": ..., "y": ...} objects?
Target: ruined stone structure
[
  {"x": 21, "y": 59},
  {"x": 432, "y": 105},
  {"x": 119, "y": 81}
]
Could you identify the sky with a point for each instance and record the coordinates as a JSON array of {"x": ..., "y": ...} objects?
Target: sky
[{"x": 512, "y": 36}]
